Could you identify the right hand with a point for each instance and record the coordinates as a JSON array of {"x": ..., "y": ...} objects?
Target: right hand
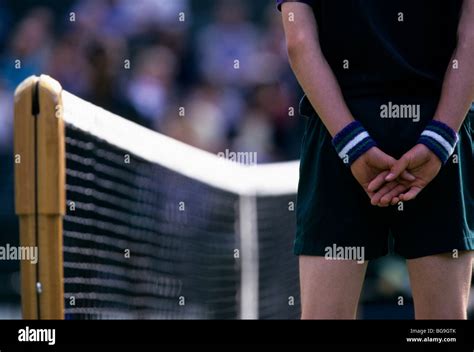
[
  {"x": 421, "y": 162},
  {"x": 375, "y": 163}
]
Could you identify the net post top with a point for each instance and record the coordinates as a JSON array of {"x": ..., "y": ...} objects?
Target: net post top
[
  {"x": 46, "y": 83},
  {"x": 25, "y": 86},
  {"x": 50, "y": 85}
]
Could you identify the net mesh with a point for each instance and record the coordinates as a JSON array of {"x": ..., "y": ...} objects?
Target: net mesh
[
  {"x": 278, "y": 270},
  {"x": 143, "y": 241}
]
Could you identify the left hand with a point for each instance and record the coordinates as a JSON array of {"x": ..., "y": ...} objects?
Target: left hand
[
  {"x": 421, "y": 162},
  {"x": 375, "y": 163}
]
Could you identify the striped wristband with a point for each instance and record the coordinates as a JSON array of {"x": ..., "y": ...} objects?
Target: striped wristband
[
  {"x": 440, "y": 139},
  {"x": 352, "y": 142}
]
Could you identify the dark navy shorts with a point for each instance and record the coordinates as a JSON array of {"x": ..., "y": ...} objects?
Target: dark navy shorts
[{"x": 334, "y": 211}]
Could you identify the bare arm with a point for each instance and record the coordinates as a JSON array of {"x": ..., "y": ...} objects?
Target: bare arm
[
  {"x": 458, "y": 87},
  {"x": 311, "y": 68}
]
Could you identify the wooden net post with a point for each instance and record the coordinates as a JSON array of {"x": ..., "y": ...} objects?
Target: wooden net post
[{"x": 40, "y": 194}]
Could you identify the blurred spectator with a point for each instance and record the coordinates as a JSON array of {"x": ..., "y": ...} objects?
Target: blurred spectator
[
  {"x": 255, "y": 135},
  {"x": 6, "y": 120},
  {"x": 151, "y": 87},
  {"x": 5, "y": 22},
  {"x": 205, "y": 112},
  {"x": 28, "y": 47},
  {"x": 162, "y": 14},
  {"x": 231, "y": 37},
  {"x": 69, "y": 65}
]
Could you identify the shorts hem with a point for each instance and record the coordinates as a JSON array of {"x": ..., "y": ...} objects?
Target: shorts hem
[
  {"x": 318, "y": 251},
  {"x": 428, "y": 253}
]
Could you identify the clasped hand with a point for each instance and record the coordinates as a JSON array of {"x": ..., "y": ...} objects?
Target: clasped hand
[{"x": 388, "y": 181}]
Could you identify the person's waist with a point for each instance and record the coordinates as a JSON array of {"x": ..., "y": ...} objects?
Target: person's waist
[
  {"x": 392, "y": 89},
  {"x": 421, "y": 93}
]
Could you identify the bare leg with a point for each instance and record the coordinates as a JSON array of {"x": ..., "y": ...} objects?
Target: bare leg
[
  {"x": 440, "y": 285},
  {"x": 330, "y": 289}
]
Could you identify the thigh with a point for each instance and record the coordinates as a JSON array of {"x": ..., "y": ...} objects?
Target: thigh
[
  {"x": 330, "y": 289},
  {"x": 440, "y": 285}
]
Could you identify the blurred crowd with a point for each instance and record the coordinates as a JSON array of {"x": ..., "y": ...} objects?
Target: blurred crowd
[{"x": 213, "y": 74}]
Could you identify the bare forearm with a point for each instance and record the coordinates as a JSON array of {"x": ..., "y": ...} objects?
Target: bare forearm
[
  {"x": 458, "y": 88},
  {"x": 311, "y": 68},
  {"x": 318, "y": 82}
]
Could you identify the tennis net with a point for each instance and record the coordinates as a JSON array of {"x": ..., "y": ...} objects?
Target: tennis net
[{"x": 156, "y": 229}]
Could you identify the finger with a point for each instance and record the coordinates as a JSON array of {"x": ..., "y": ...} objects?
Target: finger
[
  {"x": 408, "y": 176},
  {"x": 397, "y": 169},
  {"x": 375, "y": 200},
  {"x": 378, "y": 181},
  {"x": 382, "y": 193},
  {"x": 387, "y": 199},
  {"x": 395, "y": 200},
  {"x": 411, "y": 194}
]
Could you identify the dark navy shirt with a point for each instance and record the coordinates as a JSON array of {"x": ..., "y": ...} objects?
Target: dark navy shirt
[{"x": 389, "y": 47}]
